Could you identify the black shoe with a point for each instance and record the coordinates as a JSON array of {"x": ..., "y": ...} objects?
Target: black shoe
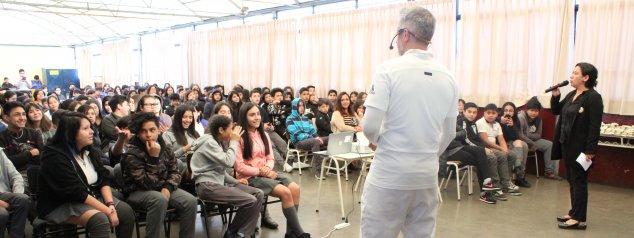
[
  {"x": 576, "y": 226},
  {"x": 522, "y": 183},
  {"x": 269, "y": 223},
  {"x": 562, "y": 219},
  {"x": 304, "y": 235}
]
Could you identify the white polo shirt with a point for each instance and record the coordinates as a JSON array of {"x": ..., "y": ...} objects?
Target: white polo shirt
[
  {"x": 418, "y": 95},
  {"x": 493, "y": 130}
]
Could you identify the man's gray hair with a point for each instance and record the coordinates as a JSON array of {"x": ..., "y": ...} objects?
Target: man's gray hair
[{"x": 418, "y": 21}]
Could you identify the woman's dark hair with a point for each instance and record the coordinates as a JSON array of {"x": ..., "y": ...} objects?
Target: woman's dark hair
[
  {"x": 462, "y": 101},
  {"x": 533, "y": 103},
  {"x": 155, "y": 87},
  {"x": 215, "y": 123},
  {"x": 83, "y": 109},
  {"x": 45, "y": 123},
  {"x": 35, "y": 93},
  {"x": 357, "y": 104},
  {"x": 245, "y": 95},
  {"x": 117, "y": 90},
  {"x": 354, "y": 93},
  {"x": 277, "y": 90},
  {"x": 266, "y": 90},
  {"x": 219, "y": 105},
  {"x": 52, "y": 97},
  {"x": 177, "y": 125},
  {"x": 247, "y": 153},
  {"x": 67, "y": 129},
  {"x": 264, "y": 96},
  {"x": 339, "y": 107},
  {"x": 66, "y": 104},
  {"x": 72, "y": 106},
  {"x": 516, "y": 119},
  {"x": 289, "y": 94},
  {"x": 9, "y": 94},
  {"x": 292, "y": 91},
  {"x": 57, "y": 116},
  {"x": 589, "y": 70},
  {"x": 94, "y": 101},
  {"x": 234, "y": 106},
  {"x": 138, "y": 119}
]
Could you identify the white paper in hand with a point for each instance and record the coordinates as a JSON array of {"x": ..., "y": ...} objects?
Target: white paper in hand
[{"x": 583, "y": 162}]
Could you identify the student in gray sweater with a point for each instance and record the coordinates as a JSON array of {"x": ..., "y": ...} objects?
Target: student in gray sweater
[
  {"x": 12, "y": 198},
  {"x": 531, "y": 128},
  {"x": 211, "y": 158}
]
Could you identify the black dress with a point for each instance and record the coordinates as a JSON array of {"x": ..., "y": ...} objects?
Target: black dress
[{"x": 578, "y": 130}]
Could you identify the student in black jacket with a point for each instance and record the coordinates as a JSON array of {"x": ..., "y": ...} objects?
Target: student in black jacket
[
  {"x": 323, "y": 119},
  {"x": 577, "y": 134},
  {"x": 74, "y": 186},
  {"x": 22, "y": 145}
]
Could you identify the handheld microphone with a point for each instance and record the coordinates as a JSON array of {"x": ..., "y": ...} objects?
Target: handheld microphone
[
  {"x": 564, "y": 83},
  {"x": 392, "y": 42}
]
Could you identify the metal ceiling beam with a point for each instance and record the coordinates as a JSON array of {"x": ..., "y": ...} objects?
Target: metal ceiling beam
[
  {"x": 40, "y": 5},
  {"x": 220, "y": 19}
]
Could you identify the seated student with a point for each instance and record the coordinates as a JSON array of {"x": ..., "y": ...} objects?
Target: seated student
[
  {"x": 254, "y": 162},
  {"x": 151, "y": 178},
  {"x": 518, "y": 149},
  {"x": 120, "y": 108},
  {"x": 323, "y": 119},
  {"x": 22, "y": 145},
  {"x": 344, "y": 118},
  {"x": 152, "y": 103},
  {"x": 182, "y": 134},
  {"x": 278, "y": 110},
  {"x": 174, "y": 100},
  {"x": 215, "y": 97},
  {"x": 459, "y": 150},
  {"x": 91, "y": 114},
  {"x": 490, "y": 132},
  {"x": 303, "y": 134},
  {"x": 36, "y": 120},
  {"x": 279, "y": 144},
  {"x": 497, "y": 161},
  {"x": 359, "y": 108},
  {"x": 224, "y": 109},
  {"x": 313, "y": 105},
  {"x": 215, "y": 153},
  {"x": 12, "y": 198},
  {"x": 531, "y": 128},
  {"x": 74, "y": 186}
]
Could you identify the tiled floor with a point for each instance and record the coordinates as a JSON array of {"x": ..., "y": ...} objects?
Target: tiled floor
[{"x": 610, "y": 212}]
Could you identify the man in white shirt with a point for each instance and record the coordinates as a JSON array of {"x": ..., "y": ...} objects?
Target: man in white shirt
[{"x": 411, "y": 118}]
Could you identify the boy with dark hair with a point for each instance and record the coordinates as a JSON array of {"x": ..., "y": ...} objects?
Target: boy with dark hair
[
  {"x": 323, "y": 119},
  {"x": 531, "y": 127},
  {"x": 491, "y": 134},
  {"x": 278, "y": 110},
  {"x": 120, "y": 108},
  {"x": 498, "y": 164},
  {"x": 151, "y": 178},
  {"x": 21, "y": 145},
  {"x": 14, "y": 204}
]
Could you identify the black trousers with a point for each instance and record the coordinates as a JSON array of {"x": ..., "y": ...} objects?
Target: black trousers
[
  {"x": 578, "y": 180},
  {"x": 476, "y": 156}
]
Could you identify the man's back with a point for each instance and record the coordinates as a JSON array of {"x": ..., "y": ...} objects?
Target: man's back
[{"x": 418, "y": 95}]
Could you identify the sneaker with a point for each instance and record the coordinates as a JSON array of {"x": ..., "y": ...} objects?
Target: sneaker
[
  {"x": 523, "y": 183},
  {"x": 512, "y": 186},
  {"x": 489, "y": 187},
  {"x": 488, "y": 198},
  {"x": 296, "y": 165},
  {"x": 512, "y": 192},
  {"x": 499, "y": 195},
  {"x": 288, "y": 168},
  {"x": 551, "y": 175}
]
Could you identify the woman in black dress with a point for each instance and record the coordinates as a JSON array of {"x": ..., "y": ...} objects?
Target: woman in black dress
[{"x": 577, "y": 132}]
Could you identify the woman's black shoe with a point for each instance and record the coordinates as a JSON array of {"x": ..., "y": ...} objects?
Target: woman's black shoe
[
  {"x": 269, "y": 223},
  {"x": 562, "y": 219},
  {"x": 576, "y": 226}
]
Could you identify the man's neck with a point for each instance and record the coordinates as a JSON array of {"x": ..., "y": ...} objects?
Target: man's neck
[{"x": 14, "y": 130}]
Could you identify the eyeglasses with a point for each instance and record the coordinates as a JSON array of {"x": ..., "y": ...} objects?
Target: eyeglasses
[
  {"x": 400, "y": 31},
  {"x": 151, "y": 104}
]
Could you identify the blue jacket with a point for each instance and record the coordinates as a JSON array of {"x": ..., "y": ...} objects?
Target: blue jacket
[{"x": 299, "y": 127}]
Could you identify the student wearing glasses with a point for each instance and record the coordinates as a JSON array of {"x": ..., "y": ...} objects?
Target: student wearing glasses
[{"x": 152, "y": 103}]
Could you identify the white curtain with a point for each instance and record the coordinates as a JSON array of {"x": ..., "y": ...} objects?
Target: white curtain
[
  {"x": 342, "y": 50},
  {"x": 164, "y": 59},
  {"x": 513, "y": 50},
  {"x": 605, "y": 39},
  {"x": 252, "y": 55},
  {"x": 84, "y": 67},
  {"x": 118, "y": 62}
]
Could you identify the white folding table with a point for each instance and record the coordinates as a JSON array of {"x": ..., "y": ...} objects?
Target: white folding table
[{"x": 347, "y": 158}]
